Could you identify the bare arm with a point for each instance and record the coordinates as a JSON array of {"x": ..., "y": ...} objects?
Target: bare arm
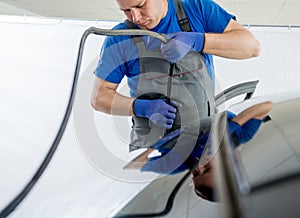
[
  {"x": 258, "y": 111},
  {"x": 106, "y": 99},
  {"x": 236, "y": 42}
]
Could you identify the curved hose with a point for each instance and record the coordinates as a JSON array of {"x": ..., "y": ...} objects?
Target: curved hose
[
  {"x": 92, "y": 30},
  {"x": 129, "y": 32}
]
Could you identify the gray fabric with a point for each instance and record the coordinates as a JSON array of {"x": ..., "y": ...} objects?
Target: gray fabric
[
  {"x": 191, "y": 89},
  {"x": 188, "y": 84},
  {"x": 181, "y": 16}
]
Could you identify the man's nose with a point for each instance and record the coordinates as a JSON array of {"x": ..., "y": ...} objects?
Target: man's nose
[
  {"x": 201, "y": 170},
  {"x": 136, "y": 15}
]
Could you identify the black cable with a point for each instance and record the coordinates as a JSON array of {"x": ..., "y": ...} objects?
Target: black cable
[
  {"x": 92, "y": 30},
  {"x": 20, "y": 197}
]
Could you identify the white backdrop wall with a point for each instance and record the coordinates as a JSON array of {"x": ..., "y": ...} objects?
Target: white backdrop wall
[
  {"x": 277, "y": 67},
  {"x": 37, "y": 63}
]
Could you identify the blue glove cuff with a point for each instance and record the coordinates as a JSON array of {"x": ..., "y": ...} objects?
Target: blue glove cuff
[
  {"x": 201, "y": 47},
  {"x": 137, "y": 107}
]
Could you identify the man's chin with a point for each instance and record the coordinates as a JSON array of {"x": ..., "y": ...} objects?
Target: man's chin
[
  {"x": 148, "y": 25},
  {"x": 145, "y": 27}
]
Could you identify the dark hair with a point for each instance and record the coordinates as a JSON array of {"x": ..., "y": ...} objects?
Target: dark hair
[{"x": 205, "y": 192}]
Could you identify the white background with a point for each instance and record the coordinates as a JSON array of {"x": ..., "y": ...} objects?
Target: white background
[{"x": 37, "y": 63}]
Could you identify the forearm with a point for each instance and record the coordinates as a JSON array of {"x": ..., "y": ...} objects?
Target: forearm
[
  {"x": 114, "y": 104},
  {"x": 258, "y": 111},
  {"x": 107, "y": 100},
  {"x": 235, "y": 44}
]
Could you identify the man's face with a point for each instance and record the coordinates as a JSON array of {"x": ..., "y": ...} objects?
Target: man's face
[
  {"x": 145, "y": 13},
  {"x": 203, "y": 176}
]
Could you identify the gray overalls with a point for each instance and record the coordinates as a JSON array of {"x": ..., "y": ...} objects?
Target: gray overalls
[{"x": 187, "y": 82}]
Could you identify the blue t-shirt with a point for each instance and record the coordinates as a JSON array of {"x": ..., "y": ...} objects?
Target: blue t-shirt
[{"x": 119, "y": 56}]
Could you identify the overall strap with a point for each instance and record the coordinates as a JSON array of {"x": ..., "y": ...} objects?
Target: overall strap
[
  {"x": 138, "y": 40},
  {"x": 131, "y": 25},
  {"x": 181, "y": 17}
]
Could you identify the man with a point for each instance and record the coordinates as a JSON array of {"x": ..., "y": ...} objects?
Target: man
[
  {"x": 203, "y": 176},
  {"x": 214, "y": 32}
]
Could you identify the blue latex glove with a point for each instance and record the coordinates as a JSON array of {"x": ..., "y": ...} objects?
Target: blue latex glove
[
  {"x": 181, "y": 43},
  {"x": 158, "y": 111},
  {"x": 230, "y": 115},
  {"x": 233, "y": 127},
  {"x": 171, "y": 162},
  {"x": 245, "y": 132},
  {"x": 167, "y": 138}
]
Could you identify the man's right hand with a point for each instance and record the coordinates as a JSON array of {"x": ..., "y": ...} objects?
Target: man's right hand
[
  {"x": 181, "y": 43},
  {"x": 158, "y": 111}
]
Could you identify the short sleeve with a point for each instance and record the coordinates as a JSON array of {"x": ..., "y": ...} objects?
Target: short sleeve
[
  {"x": 115, "y": 54},
  {"x": 216, "y": 18}
]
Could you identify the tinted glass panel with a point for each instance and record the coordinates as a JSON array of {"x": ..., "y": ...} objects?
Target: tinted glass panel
[{"x": 275, "y": 150}]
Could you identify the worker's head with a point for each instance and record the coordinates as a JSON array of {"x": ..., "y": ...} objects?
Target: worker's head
[
  {"x": 204, "y": 181},
  {"x": 145, "y": 13}
]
